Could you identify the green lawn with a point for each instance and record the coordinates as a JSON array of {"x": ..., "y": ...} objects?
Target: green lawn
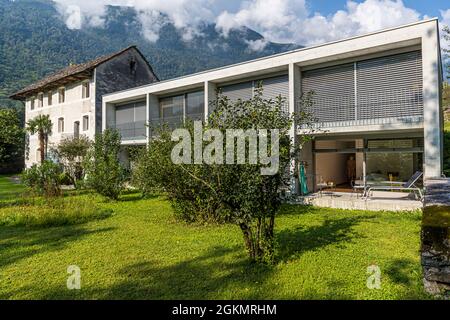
[
  {"x": 142, "y": 252},
  {"x": 8, "y": 189}
]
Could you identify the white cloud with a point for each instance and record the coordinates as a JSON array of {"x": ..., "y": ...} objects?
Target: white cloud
[
  {"x": 291, "y": 21},
  {"x": 276, "y": 20},
  {"x": 257, "y": 45},
  {"x": 186, "y": 15}
]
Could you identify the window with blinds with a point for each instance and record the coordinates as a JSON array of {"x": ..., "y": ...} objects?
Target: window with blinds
[
  {"x": 272, "y": 88},
  {"x": 380, "y": 88},
  {"x": 334, "y": 92},
  {"x": 390, "y": 86},
  {"x": 239, "y": 91},
  {"x": 130, "y": 120},
  {"x": 275, "y": 87}
]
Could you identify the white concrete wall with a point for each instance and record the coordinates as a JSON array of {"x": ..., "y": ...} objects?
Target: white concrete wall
[
  {"x": 433, "y": 145},
  {"x": 73, "y": 109},
  {"x": 423, "y": 34}
]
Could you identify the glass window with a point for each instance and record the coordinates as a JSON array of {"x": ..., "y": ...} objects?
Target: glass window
[
  {"x": 61, "y": 95},
  {"x": 85, "y": 123},
  {"x": 40, "y": 98},
  {"x": 50, "y": 98},
  {"x": 171, "y": 107},
  {"x": 32, "y": 103},
  {"x": 195, "y": 104},
  {"x": 61, "y": 125},
  {"x": 86, "y": 90}
]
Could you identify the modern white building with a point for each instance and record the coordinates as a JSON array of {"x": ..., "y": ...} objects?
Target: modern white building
[
  {"x": 72, "y": 97},
  {"x": 377, "y": 102}
]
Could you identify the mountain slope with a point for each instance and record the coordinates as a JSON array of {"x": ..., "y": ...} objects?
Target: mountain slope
[{"x": 34, "y": 41}]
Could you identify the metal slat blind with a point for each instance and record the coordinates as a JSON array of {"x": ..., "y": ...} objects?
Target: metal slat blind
[
  {"x": 334, "y": 92},
  {"x": 274, "y": 87},
  {"x": 390, "y": 87},
  {"x": 234, "y": 92},
  {"x": 125, "y": 113}
]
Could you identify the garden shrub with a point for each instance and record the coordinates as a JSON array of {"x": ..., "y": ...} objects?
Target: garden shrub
[
  {"x": 237, "y": 193},
  {"x": 71, "y": 153},
  {"x": 43, "y": 179},
  {"x": 104, "y": 172}
]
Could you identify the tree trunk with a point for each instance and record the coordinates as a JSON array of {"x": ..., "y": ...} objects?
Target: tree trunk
[
  {"x": 42, "y": 146},
  {"x": 248, "y": 240}
]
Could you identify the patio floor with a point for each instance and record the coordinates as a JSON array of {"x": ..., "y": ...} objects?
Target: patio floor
[{"x": 379, "y": 201}]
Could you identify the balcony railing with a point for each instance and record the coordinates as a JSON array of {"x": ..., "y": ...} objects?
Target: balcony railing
[
  {"x": 393, "y": 106},
  {"x": 131, "y": 130},
  {"x": 172, "y": 122},
  {"x": 138, "y": 130}
]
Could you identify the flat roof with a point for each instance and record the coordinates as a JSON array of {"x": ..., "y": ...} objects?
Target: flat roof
[{"x": 271, "y": 57}]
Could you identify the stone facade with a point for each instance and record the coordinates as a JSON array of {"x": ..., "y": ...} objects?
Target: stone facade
[{"x": 435, "y": 248}]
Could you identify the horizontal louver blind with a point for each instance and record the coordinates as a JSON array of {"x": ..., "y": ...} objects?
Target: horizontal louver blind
[
  {"x": 334, "y": 92},
  {"x": 234, "y": 92},
  {"x": 140, "y": 112},
  {"x": 274, "y": 87},
  {"x": 125, "y": 114},
  {"x": 390, "y": 86}
]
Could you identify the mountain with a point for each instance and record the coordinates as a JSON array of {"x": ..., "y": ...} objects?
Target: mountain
[{"x": 34, "y": 41}]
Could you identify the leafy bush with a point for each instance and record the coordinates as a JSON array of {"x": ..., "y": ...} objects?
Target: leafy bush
[
  {"x": 43, "y": 179},
  {"x": 104, "y": 172},
  {"x": 54, "y": 212},
  {"x": 238, "y": 193},
  {"x": 71, "y": 153},
  {"x": 65, "y": 179}
]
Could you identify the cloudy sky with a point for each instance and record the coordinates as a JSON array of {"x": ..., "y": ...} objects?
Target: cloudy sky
[{"x": 305, "y": 22}]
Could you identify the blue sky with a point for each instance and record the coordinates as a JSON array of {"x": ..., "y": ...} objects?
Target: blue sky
[{"x": 430, "y": 7}]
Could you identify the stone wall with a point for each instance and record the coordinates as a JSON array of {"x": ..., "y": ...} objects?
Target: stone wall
[{"x": 435, "y": 248}]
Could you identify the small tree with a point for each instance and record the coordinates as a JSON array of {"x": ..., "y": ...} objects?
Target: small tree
[
  {"x": 42, "y": 125},
  {"x": 238, "y": 193},
  {"x": 43, "y": 178},
  {"x": 104, "y": 172},
  {"x": 71, "y": 152},
  {"x": 12, "y": 137}
]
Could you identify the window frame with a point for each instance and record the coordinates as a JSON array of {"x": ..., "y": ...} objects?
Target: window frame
[
  {"x": 32, "y": 103},
  {"x": 61, "y": 125},
  {"x": 85, "y": 90},
  {"x": 85, "y": 125},
  {"x": 40, "y": 100},
  {"x": 61, "y": 95},
  {"x": 50, "y": 98}
]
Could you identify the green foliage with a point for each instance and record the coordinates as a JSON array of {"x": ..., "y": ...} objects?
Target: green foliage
[
  {"x": 71, "y": 153},
  {"x": 43, "y": 179},
  {"x": 447, "y": 152},
  {"x": 238, "y": 193},
  {"x": 53, "y": 212},
  {"x": 12, "y": 138},
  {"x": 42, "y": 126},
  {"x": 34, "y": 42},
  {"x": 104, "y": 172}
]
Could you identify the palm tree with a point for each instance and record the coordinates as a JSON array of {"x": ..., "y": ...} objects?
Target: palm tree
[{"x": 42, "y": 125}]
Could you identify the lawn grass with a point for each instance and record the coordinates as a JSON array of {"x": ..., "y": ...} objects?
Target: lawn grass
[
  {"x": 8, "y": 189},
  {"x": 142, "y": 252}
]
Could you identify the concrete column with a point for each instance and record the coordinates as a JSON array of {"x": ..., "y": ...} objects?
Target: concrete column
[
  {"x": 109, "y": 114},
  {"x": 152, "y": 112},
  {"x": 294, "y": 98},
  {"x": 210, "y": 95},
  {"x": 433, "y": 144}
]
